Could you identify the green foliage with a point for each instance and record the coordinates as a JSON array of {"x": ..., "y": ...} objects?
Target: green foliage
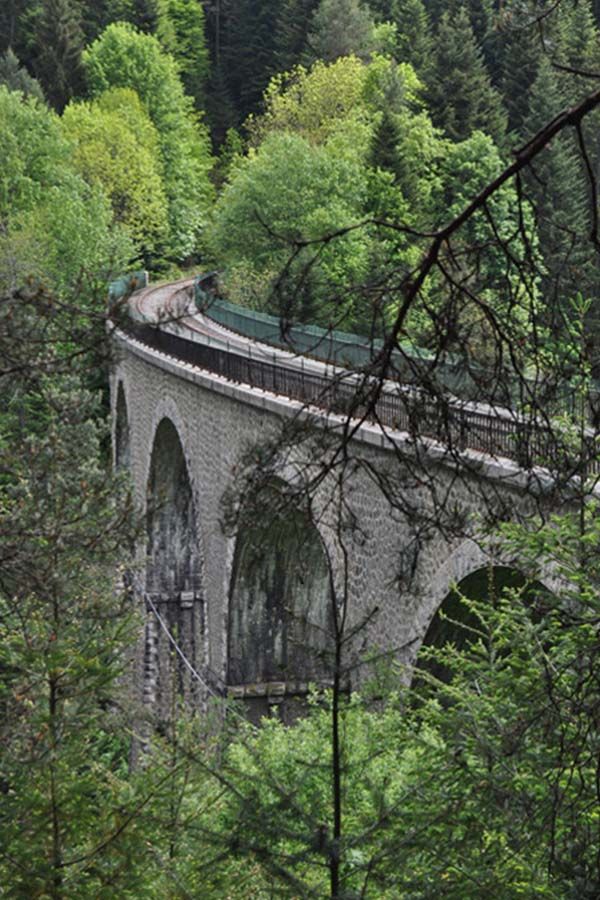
[
  {"x": 116, "y": 146},
  {"x": 293, "y": 21},
  {"x": 17, "y": 78},
  {"x": 507, "y": 296},
  {"x": 340, "y": 28},
  {"x": 54, "y": 226},
  {"x": 59, "y": 41},
  {"x": 459, "y": 91},
  {"x": 246, "y": 51},
  {"x": 414, "y": 41},
  {"x": 560, "y": 196},
  {"x": 65, "y": 630},
  {"x": 124, "y": 58},
  {"x": 518, "y": 58},
  {"x": 483, "y": 784},
  {"x": 290, "y": 191},
  {"x": 181, "y": 32},
  {"x": 314, "y": 102}
]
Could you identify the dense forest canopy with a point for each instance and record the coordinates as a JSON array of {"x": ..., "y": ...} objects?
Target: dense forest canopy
[
  {"x": 369, "y": 112},
  {"x": 333, "y": 159}
]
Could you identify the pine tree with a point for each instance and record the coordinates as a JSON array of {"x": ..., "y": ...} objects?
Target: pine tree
[
  {"x": 557, "y": 189},
  {"x": 145, "y": 14},
  {"x": 577, "y": 46},
  {"x": 383, "y": 10},
  {"x": 481, "y": 17},
  {"x": 221, "y": 110},
  {"x": 459, "y": 90},
  {"x": 293, "y": 21},
  {"x": 246, "y": 53},
  {"x": 17, "y": 78},
  {"x": 384, "y": 146},
  {"x": 518, "y": 53},
  {"x": 14, "y": 24},
  {"x": 181, "y": 32},
  {"x": 340, "y": 28},
  {"x": 65, "y": 632},
  {"x": 414, "y": 41},
  {"x": 59, "y": 41}
]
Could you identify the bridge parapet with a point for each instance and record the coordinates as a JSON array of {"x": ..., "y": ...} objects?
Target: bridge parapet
[{"x": 456, "y": 424}]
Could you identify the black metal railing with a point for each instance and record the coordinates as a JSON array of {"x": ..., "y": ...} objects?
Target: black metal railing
[{"x": 457, "y": 426}]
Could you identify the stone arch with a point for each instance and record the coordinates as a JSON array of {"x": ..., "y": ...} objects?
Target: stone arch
[
  {"x": 279, "y": 622},
  {"x": 452, "y": 620},
  {"x": 122, "y": 443},
  {"x": 173, "y": 572}
]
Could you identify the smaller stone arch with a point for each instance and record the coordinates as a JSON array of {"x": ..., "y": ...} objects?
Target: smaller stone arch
[
  {"x": 453, "y": 621},
  {"x": 122, "y": 440},
  {"x": 280, "y": 613}
]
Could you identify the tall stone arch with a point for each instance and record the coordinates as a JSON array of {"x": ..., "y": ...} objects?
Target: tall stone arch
[
  {"x": 280, "y": 613},
  {"x": 175, "y": 631}
]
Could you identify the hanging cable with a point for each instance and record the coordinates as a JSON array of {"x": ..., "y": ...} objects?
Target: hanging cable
[{"x": 193, "y": 671}]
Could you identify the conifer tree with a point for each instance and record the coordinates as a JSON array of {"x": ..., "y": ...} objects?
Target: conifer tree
[
  {"x": 292, "y": 26},
  {"x": 383, "y": 10},
  {"x": 384, "y": 147},
  {"x": 414, "y": 43},
  {"x": 59, "y": 40},
  {"x": 246, "y": 54},
  {"x": 340, "y": 28},
  {"x": 145, "y": 14},
  {"x": 518, "y": 55},
  {"x": 557, "y": 189},
  {"x": 459, "y": 90},
  {"x": 221, "y": 111},
  {"x": 181, "y": 32},
  {"x": 13, "y": 23},
  {"x": 17, "y": 78},
  {"x": 577, "y": 46}
]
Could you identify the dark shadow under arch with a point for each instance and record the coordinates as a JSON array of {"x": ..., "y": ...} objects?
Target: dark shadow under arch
[
  {"x": 453, "y": 620},
  {"x": 280, "y": 600},
  {"x": 122, "y": 436},
  {"x": 173, "y": 565}
]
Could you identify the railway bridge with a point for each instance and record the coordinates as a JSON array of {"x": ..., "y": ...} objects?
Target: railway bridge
[{"x": 392, "y": 518}]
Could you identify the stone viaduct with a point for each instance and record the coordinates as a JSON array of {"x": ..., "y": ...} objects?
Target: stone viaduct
[{"x": 247, "y": 613}]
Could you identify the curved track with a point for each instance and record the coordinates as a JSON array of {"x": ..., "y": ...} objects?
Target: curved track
[
  {"x": 453, "y": 424},
  {"x": 172, "y": 306}
]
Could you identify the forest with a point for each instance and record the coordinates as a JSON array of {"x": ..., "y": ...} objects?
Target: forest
[{"x": 419, "y": 172}]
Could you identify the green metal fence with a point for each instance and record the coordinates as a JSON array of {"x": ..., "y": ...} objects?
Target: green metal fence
[
  {"x": 344, "y": 349},
  {"x": 126, "y": 285}
]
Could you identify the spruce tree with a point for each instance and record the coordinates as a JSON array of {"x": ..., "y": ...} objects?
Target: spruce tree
[
  {"x": 247, "y": 51},
  {"x": 340, "y": 28},
  {"x": 518, "y": 53},
  {"x": 384, "y": 145},
  {"x": 17, "y": 78},
  {"x": 577, "y": 47},
  {"x": 59, "y": 40},
  {"x": 14, "y": 23},
  {"x": 459, "y": 90},
  {"x": 145, "y": 14},
  {"x": 383, "y": 10},
  {"x": 481, "y": 17},
  {"x": 414, "y": 41},
  {"x": 181, "y": 32},
  {"x": 556, "y": 187},
  {"x": 293, "y": 21}
]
